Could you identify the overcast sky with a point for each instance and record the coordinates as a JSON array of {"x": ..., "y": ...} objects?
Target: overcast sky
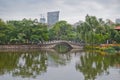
[{"x": 70, "y": 10}]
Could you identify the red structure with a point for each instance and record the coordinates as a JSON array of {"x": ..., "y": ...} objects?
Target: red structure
[{"x": 117, "y": 28}]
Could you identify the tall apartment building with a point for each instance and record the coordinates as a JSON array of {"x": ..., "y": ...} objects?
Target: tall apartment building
[{"x": 52, "y": 17}]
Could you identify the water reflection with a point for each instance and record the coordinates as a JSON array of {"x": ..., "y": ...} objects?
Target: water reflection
[
  {"x": 93, "y": 64},
  {"x": 31, "y": 64},
  {"x": 23, "y": 64}
]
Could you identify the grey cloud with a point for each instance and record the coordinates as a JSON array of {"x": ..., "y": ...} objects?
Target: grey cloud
[
  {"x": 68, "y": 8},
  {"x": 23, "y": 4}
]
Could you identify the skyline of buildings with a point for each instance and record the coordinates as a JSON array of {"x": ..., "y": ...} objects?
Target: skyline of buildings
[{"x": 51, "y": 18}]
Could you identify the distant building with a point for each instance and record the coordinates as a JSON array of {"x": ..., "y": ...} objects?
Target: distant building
[
  {"x": 42, "y": 19},
  {"x": 52, "y": 17},
  {"x": 117, "y": 21}
]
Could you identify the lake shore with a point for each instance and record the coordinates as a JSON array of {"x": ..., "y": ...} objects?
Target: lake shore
[{"x": 30, "y": 46}]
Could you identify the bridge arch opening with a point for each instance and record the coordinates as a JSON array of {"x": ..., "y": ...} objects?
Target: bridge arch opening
[
  {"x": 62, "y": 47},
  {"x": 64, "y": 44}
]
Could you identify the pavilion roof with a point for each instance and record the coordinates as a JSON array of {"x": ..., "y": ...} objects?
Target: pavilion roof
[{"x": 117, "y": 28}]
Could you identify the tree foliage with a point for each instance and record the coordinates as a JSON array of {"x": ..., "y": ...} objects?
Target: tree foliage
[
  {"x": 96, "y": 31},
  {"x": 91, "y": 31},
  {"x": 62, "y": 31},
  {"x": 24, "y": 31}
]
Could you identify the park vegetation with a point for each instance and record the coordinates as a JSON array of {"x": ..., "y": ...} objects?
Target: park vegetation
[{"x": 27, "y": 31}]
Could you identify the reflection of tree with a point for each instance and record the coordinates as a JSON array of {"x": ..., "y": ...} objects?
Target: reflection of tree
[
  {"x": 93, "y": 64},
  {"x": 30, "y": 64},
  {"x": 57, "y": 59},
  {"x": 8, "y": 62},
  {"x": 23, "y": 64}
]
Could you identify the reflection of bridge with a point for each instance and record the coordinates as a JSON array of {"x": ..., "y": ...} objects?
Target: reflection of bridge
[{"x": 52, "y": 44}]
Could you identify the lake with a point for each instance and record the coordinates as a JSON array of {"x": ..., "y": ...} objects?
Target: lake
[{"x": 53, "y": 65}]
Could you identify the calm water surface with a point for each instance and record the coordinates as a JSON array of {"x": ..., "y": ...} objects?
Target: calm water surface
[{"x": 51, "y": 65}]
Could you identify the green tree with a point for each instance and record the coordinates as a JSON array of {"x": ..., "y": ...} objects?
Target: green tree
[
  {"x": 63, "y": 31},
  {"x": 27, "y": 31},
  {"x": 94, "y": 31}
]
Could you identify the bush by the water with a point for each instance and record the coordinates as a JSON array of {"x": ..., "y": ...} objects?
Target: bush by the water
[
  {"x": 110, "y": 50},
  {"x": 117, "y": 48}
]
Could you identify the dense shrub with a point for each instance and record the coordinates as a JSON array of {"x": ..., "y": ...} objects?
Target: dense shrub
[
  {"x": 117, "y": 48},
  {"x": 110, "y": 50}
]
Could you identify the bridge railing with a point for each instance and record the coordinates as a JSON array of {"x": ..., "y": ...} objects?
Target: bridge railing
[{"x": 58, "y": 41}]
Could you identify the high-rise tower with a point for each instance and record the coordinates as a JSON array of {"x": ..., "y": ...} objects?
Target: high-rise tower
[{"x": 52, "y": 17}]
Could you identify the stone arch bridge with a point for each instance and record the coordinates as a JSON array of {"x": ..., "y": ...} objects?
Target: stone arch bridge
[{"x": 52, "y": 44}]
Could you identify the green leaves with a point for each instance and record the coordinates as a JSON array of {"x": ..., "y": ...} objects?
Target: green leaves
[
  {"x": 63, "y": 31},
  {"x": 94, "y": 30},
  {"x": 24, "y": 31},
  {"x": 91, "y": 31}
]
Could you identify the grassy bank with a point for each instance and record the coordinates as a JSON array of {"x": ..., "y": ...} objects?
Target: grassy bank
[{"x": 104, "y": 48}]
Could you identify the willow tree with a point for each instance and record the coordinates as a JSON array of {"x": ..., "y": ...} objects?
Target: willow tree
[
  {"x": 93, "y": 30},
  {"x": 87, "y": 28}
]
